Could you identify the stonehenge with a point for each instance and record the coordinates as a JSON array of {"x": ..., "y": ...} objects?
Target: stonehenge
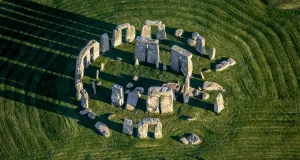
[
  {"x": 219, "y": 103},
  {"x": 200, "y": 45},
  {"x": 104, "y": 43},
  {"x": 117, "y": 34},
  {"x": 117, "y": 95},
  {"x": 84, "y": 99},
  {"x": 160, "y": 100},
  {"x": 147, "y": 50},
  {"x": 103, "y": 129},
  {"x": 127, "y": 126},
  {"x": 181, "y": 60},
  {"x": 161, "y": 31},
  {"x": 132, "y": 100},
  {"x": 143, "y": 127},
  {"x": 225, "y": 64}
]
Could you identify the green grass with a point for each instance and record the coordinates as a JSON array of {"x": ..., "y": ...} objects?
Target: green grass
[{"x": 41, "y": 39}]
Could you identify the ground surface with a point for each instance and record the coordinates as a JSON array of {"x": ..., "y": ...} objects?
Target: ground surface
[{"x": 40, "y": 42}]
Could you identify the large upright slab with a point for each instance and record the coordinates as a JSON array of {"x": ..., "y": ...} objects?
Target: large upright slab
[
  {"x": 219, "y": 103},
  {"x": 181, "y": 60},
  {"x": 147, "y": 49},
  {"x": 104, "y": 43},
  {"x": 153, "y": 53},
  {"x": 128, "y": 126},
  {"x": 160, "y": 99},
  {"x": 200, "y": 45},
  {"x": 84, "y": 99},
  {"x": 140, "y": 49},
  {"x": 117, "y": 95},
  {"x": 132, "y": 100},
  {"x": 186, "y": 91}
]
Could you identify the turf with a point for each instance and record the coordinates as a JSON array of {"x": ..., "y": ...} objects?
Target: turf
[{"x": 41, "y": 39}]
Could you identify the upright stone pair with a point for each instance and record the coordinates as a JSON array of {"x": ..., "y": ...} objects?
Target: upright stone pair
[
  {"x": 147, "y": 49},
  {"x": 143, "y": 127},
  {"x": 160, "y": 100},
  {"x": 161, "y": 29},
  {"x": 117, "y": 34},
  {"x": 181, "y": 60}
]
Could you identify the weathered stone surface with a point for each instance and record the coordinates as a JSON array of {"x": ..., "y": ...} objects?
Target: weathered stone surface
[
  {"x": 79, "y": 87},
  {"x": 146, "y": 47},
  {"x": 83, "y": 112},
  {"x": 130, "y": 34},
  {"x": 88, "y": 53},
  {"x": 128, "y": 126},
  {"x": 104, "y": 43},
  {"x": 212, "y": 86},
  {"x": 186, "y": 91},
  {"x": 146, "y": 31},
  {"x": 161, "y": 32},
  {"x": 181, "y": 60},
  {"x": 102, "y": 67},
  {"x": 191, "y": 42},
  {"x": 199, "y": 94},
  {"x": 94, "y": 87},
  {"x": 103, "y": 129},
  {"x": 132, "y": 100},
  {"x": 178, "y": 33},
  {"x": 135, "y": 78},
  {"x": 142, "y": 130},
  {"x": 97, "y": 74},
  {"x": 91, "y": 115},
  {"x": 184, "y": 140},
  {"x": 194, "y": 139},
  {"x": 151, "y": 121},
  {"x": 195, "y": 35},
  {"x": 117, "y": 96},
  {"x": 212, "y": 53},
  {"x": 225, "y": 64},
  {"x": 123, "y": 26},
  {"x": 111, "y": 116},
  {"x": 200, "y": 45},
  {"x": 164, "y": 67},
  {"x": 219, "y": 103},
  {"x": 137, "y": 62},
  {"x": 158, "y": 131},
  {"x": 174, "y": 86},
  {"x": 129, "y": 85},
  {"x": 84, "y": 99},
  {"x": 140, "y": 49},
  {"x": 139, "y": 89},
  {"x": 116, "y": 38},
  {"x": 160, "y": 97},
  {"x": 127, "y": 91},
  {"x": 153, "y": 53},
  {"x": 153, "y": 23}
]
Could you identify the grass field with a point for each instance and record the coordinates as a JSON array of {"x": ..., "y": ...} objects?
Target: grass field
[{"x": 41, "y": 39}]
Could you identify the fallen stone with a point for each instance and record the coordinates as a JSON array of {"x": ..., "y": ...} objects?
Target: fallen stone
[
  {"x": 191, "y": 42},
  {"x": 97, "y": 74},
  {"x": 219, "y": 103},
  {"x": 159, "y": 97},
  {"x": 181, "y": 60},
  {"x": 194, "y": 139},
  {"x": 103, "y": 129},
  {"x": 135, "y": 78},
  {"x": 191, "y": 119},
  {"x": 207, "y": 70},
  {"x": 200, "y": 45},
  {"x": 212, "y": 53},
  {"x": 83, "y": 112},
  {"x": 174, "y": 86},
  {"x": 91, "y": 115},
  {"x": 178, "y": 33},
  {"x": 132, "y": 100},
  {"x": 184, "y": 140},
  {"x": 199, "y": 94},
  {"x": 212, "y": 86},
  {"x": 129, "y": 85},
  {"x": 127, "y": 91},
  {"x": 139, "y": 89},
  {"x": 128, "y": 126},
  {"x": 225, "y": 64},
  {"x": 164, "y": 67}
]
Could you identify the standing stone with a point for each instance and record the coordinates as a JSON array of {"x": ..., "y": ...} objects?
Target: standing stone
[
  {"x": 84, "y": 99},
  {"x": 140, "y": 49},
  {"x": 186, "y": 91},
  {"x": 104, "y": 43},
  {"x": 102, "y": 67},
  {"x": 128, "y": 126},
  {"x": 139, "y": 89},
  {"x": 137, "y": 63},
  {"x": 117, "y": 96},
  {"x": 94, "y": 87},
  {"x": 161, "y": 32},
  {"x": 160, "y": 97},
  {"x": 219, "y": 103},
  {"x": 157, "y": 64},
  {"x": 212, "y": 53},
  {"x": 130, "y": 33},
  {"x": 166, "y": 103},
  {"x": 97, "y": 74},
  {"x": 181, "y": 60},
  {"x": 79, "y": 87},
  {"x": 158, "y": 130},
  {"x": 200, "y": 45},
  {"x": 132, "y": 100},
  {"x": 117, "y": 37},
  {"x": 103, "y": 129},
  {"x": 178, "y": 33},
  {"x": 153, "y": 53},
  {"x": 195, "y": 35},
  {"x": 164, "y": 67},
  {"x": 191, "y": 42},
  {"x": 142, "y": 130},
  {"x": 146, "y": 31}
]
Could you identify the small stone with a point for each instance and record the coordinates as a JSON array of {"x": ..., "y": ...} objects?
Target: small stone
[
  {"x": 219, "y": 103},
  {"x": 202, "y": 76},
  {"x": 99, "y": 83},
  {"x": 212, "y": 53},
  {"x": 207, "y": 70},
  {"x": 132, "y": 100},
  {"x": 194, "y": 139},
  {"x": 137, "y": 62},
  {"x": 83, "y": 112},
  {"x": 119, "y": 58},
  {"x": 184, "y": 140},
  {"x": 91, "y": 115},
  {"x": 191, "y": 42},
  {"x": 139, "y": 89},
  {"x": 178, "y": 33},
  {"x": 103, "y": 129},
  {"x": 111, "y": 116},
  {"x": 200, "y": 88},
  {"x": 127, "y": 91},
  {"x": 135, "y": 78},
  {"x": 97, "y": 74},
  {"x": 164, "y": 67},
  {"x": 129, "y": 85},
  {"x": 191, "y": 119},
  {"x": 102, "y": 67}
]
